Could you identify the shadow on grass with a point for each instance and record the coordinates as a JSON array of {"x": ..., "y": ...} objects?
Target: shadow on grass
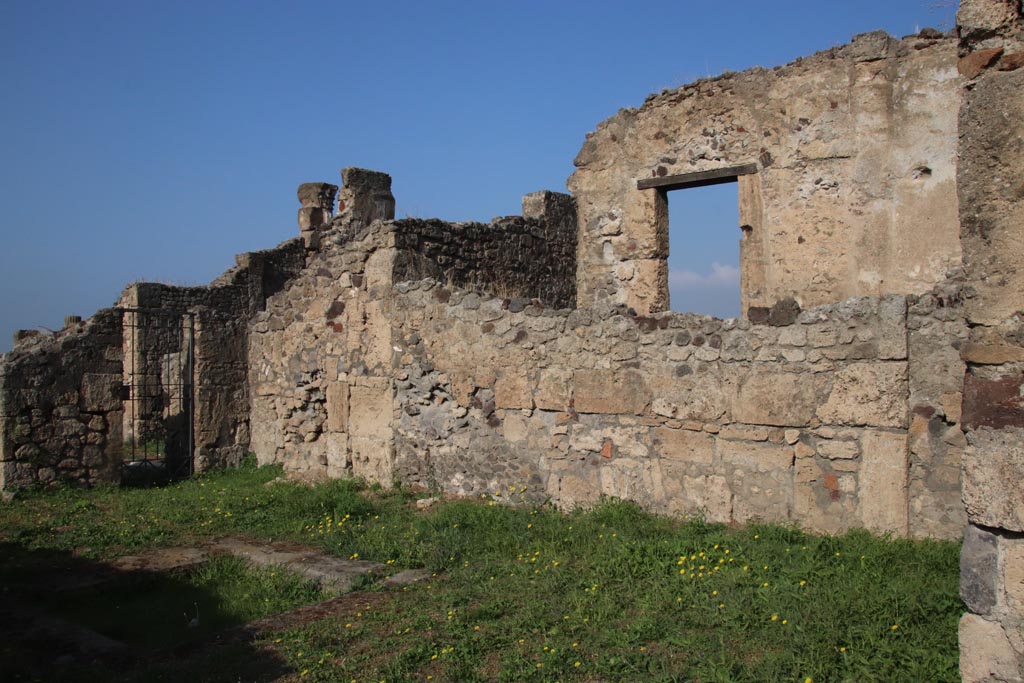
[{"x": 64, "y": 618}]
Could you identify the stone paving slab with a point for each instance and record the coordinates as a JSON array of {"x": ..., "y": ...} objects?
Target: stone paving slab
[
  {"x": 161, "y": 560},
  {"x": 329, "y": 572}
]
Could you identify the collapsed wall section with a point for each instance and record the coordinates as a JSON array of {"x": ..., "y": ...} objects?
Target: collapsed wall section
[
  {"x": 846, "y": 162},
  {"x": 69, "y": 400},
  {"x": 60, "y": 405},
  {"x": 532, "y": 256}
]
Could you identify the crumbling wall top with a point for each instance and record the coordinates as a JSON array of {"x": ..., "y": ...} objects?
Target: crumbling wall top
[{"x": 853, "y": 194}]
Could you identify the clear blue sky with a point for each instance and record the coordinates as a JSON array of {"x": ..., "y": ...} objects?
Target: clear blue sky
[{"x": 155, "y": 140}]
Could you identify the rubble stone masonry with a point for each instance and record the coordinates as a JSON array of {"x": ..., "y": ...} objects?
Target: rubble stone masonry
[{"x": 875, "y": 378}]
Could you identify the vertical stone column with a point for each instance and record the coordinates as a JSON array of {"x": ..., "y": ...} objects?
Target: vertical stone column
[
  {"x": 317, "y": 200},
  {"x": 366, "y": 196},
  {"x": 991, "y": 164},
  {"x": 753, "y": 261}
]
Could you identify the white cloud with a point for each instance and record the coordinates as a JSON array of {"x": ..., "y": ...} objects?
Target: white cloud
[{"x": 719, "y": 277}]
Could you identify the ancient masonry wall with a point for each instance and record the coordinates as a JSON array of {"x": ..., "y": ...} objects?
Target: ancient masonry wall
[
  {"x": 529, "y": 256},
  {"x": 333, "y": 321},
  {"x": 60, "y": 405},
  {"x": 846, "y": 170},
  {"x": 804, "y": 417},
  {"x": 806, "y": 421},
  {"x": 990, "y": 183},
  {"x": 875, "y": 379},
  {"x": 61, "y": 399}
]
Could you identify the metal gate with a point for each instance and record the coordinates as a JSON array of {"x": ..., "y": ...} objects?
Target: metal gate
[{"x": 158, "y": 394}]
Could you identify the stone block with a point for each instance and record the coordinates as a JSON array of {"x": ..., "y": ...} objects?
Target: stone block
[
  {"x": 636, "y": 480},
  {"x": 760, "y": 497},
  {"x": 575, "y": 487},
  {"x": 462, "y": 387},
  {"x": 755, "y": 456},
  {"x": 515, "y": 427},
  {"x": 744, "y": 432},
  {"x": 607, "y": 391},
  {"x": 337, "y": 451},
  {"x": 973, "y": 64},
  {"x": 682, "y": 444},
  {"x": 319, "y": 195},
  {"x": 513, "y": 390},
  {"x": 554, "y": 389},
  {"x": 986, "y": 655},
  {"x": 372, "y": 460},
  {"x": 952, "y": 405},
  {"x": 101, "y": 393},
  {"x": 838, "y": 450},
  {"x": 873, "y": 394},
  {"x": 705, "y": 398},
  {"x": 883, "y": 482},
  {"x": 705, "y": 495},
  {"x": 337, "y": 407},
  {"x": 311, "y": 218},
  {"x": 371, "y": 409},
  {"x": 784, "y": 312},
  {"x": 995, "y": 403},
  {"x": 993, "y": 469},
  {"x": 991, "y": 354},
  {"x": 979, "y": 569},
  {"x": 611, "y": 440},
  {"x": 1011, "y": 552},
  {"x": 780, "y": 399}
]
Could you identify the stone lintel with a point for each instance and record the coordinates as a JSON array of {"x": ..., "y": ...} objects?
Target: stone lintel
[{"x": 698, "y": 179}]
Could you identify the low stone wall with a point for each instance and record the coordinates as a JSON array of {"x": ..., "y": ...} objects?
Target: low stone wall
[{"x": 60, "y": 406}]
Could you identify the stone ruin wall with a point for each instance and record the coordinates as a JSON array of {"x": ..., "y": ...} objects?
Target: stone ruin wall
[
  {"x": 804, "y": 419},
  {"x": 60, "y": 407},
  {"x": 63, "y": 416},
  {"x": 874, "y": 381},
  {"x": 990, "y": 185},
  {"x": 334, "y": 321},
  {"x": 853, "y": 193}
]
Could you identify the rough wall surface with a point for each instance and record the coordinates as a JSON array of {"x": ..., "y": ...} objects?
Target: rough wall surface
[
  {"x": 529, "y": 256},
  {"x": 804, "y": 417},
  {"x": 990, "y": 182},
  {"x": 60, "y": 405},
  {"x": 875, "y": 380},
  {"x": 854, "y": 193},
  {"x": 64, "y": 417}
]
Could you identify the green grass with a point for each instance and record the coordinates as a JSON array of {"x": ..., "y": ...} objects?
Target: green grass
[
  {"x": 528, "y": 594},
  {"x": 162, "y": 610}
]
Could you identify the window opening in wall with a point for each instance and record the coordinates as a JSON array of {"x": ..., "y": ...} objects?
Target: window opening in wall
[{"x": 704, "y": 249}]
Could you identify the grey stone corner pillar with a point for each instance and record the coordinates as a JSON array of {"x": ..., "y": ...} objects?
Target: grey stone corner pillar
[
  {"x": 366, "y": 196},
  {"x": 317, "y": 200}
]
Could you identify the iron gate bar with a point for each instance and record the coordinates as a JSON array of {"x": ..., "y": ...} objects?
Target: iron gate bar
[{"x": 159, "y": 389}]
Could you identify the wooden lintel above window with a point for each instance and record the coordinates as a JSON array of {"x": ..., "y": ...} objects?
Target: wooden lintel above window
[{"x": 698, "y": 179}]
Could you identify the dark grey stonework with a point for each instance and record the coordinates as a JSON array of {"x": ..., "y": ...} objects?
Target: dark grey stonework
[
  {"x": 515, "y": 257},
  {"x": 979, "y": 569}
]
